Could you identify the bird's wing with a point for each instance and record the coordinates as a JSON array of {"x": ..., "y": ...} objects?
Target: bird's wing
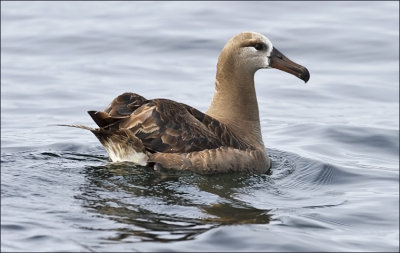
[{"x": 166, "y": 126}]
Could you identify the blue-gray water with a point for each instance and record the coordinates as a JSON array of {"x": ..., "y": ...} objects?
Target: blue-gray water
[{"x": 334, "y": 142}]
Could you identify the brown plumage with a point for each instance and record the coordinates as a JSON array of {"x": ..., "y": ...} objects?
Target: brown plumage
[{"x": 168, "y": 134}]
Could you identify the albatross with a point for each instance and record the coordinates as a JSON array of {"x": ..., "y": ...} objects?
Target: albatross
[{"x": 172, "y": 135}]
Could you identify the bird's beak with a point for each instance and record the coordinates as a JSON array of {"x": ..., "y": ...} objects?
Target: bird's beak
[{"x": 279, "y": 61}]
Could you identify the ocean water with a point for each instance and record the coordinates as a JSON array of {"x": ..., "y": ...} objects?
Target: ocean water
[{"x": 334, "y": 142}]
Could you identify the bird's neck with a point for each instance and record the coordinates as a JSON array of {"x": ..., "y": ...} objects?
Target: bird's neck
[{"x": 235, "y": 102}]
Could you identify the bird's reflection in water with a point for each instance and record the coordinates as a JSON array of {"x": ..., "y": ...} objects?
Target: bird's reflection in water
[{"x": 165, "y": 206}]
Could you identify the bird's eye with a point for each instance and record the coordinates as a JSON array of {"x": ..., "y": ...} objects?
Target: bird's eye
[{"x": 259, "y": 46}]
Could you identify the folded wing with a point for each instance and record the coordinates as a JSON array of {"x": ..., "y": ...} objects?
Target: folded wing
[{"x": 163, "y": 125}]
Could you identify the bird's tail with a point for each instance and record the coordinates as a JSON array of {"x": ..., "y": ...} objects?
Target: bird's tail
[
  {"x": 121, "y": 144},
  {"x": 77, "y": 126}
]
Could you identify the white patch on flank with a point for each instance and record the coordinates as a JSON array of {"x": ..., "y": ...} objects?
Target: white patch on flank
[{"x": 117, "y": 153}]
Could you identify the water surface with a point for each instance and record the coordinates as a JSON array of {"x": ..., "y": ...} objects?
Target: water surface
[{"x": 334, "y": 142}]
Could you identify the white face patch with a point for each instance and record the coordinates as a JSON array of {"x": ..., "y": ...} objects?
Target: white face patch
[
  {"x": 256, "y": 59},
  {"x": 266, "y": 63},
  {"x": 270, "y": 47}
]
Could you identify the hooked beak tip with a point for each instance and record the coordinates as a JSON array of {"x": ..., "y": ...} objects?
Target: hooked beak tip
[{"x": 305, "y": 75}]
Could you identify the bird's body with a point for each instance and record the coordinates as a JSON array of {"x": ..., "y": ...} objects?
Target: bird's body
[{"x": 226, "y": 138}]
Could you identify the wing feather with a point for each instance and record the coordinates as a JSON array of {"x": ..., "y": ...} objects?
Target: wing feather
[
  {"x": 125, "y": 104},
  {"x": 164, "y": 125}
]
